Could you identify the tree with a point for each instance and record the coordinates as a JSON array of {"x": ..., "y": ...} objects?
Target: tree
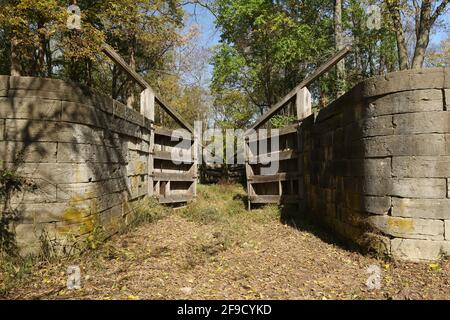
[
  {"x": 339, "y": 39},
  {"x": 425, "y": 18},
  {"x": 267, "y": 47},
  {"x": 439, "y": 55}
]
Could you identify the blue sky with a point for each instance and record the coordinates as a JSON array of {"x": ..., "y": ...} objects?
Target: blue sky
[{"x": 201, "y": 16}]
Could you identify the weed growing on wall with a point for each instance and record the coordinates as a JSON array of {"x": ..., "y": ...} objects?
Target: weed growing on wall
[{"x": 10, "y": 183}]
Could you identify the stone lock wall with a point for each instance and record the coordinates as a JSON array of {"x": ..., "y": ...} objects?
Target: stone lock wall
[
  {"x": 85, "y": 158},
  {"x": 377, "y": 164}
]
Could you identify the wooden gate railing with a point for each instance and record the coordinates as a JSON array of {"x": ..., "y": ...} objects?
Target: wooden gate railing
[
  {"x": 285, "y": 184},
  {"x": 172, "y": 168}
]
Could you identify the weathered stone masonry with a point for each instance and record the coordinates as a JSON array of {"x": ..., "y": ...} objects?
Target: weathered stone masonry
[
  {"x": 86, "y": 158},
  {"x": 377, "y": 164}
]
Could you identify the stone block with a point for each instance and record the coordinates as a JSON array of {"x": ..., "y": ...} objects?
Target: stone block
[
  {"x": 370, "y": 167},
  {"x": 419, "y": 250},
  {"x": 447, "y": 146},
  {"x": 419, "y": 188},
  {"x": 42, "y": 84},
  {"x": 368, "y": 204},
  {"x": 49, "y": 131},
  {"x": 35, "y": 191},
  {"x": 83, "y": 114},
  {"x": 81, "y": 153},
  {"x": 405, "y": 102},
  {"x": 421, "y": 167},
  {"x": 447, "y": 229},
  {"x": 422, "y": 122},
  {"x": 112, "y": 218},
  {"x": 126, "y": 128},
  {"x": 447, "y": 99},
  {"x": 137, "y": 186},
  {"x": 401, "y": 145},
  {"x": 408, "y": 227},
  {"x": 30, "y": 108},
  {"x": 4, "y": 82},
  {"x": 370, "y": 127},
  {"x": 36, "y": 213},
  {"x": 19, "y": 152},
  {"x": 372, "y": 186},
  {"x": 421, "y": 208},
  {"x": 64, "y": 173},
  {"x": 90, "y": 190},
  {"x": 413, "y": 80},
  {"x": 27, "y": 238},
  {"x": 2, "y": 129}
]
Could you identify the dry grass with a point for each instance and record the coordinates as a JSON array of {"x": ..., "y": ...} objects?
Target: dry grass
[{"x": 215, "y": 249}]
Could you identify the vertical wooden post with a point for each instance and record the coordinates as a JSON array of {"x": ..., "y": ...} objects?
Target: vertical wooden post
[
  {"x": 303, "y": 104},
  {"x": 194, "y": 154},
  {"x": 248, "y": 172},
  {"x": 147, "y": 108},
  {"x": 148, "y": 104},
  {"x": 304, "y": 110}
]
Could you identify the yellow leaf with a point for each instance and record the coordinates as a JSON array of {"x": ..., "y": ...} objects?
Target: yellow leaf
[{"x": 435, "y": 267}]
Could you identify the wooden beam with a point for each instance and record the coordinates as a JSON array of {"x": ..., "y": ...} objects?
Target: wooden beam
[
  {"x": 179, "y": 177},
  {"x": 319, "y": 72},
  {"x": 176, "y": 198},
  {"x": 274, "y": 178},
  {"x": 116, "y": 58},
  {"x": 167, "y": 156},
  {"x": 174, "y": 114},
  {"x": 303, "y": 104},
  {"x": 160, "y": 131},
  {"x": 279, "y": 155},
  {"x": 290, "y": 129}
]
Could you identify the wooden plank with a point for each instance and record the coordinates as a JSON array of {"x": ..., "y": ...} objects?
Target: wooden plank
[
  {"x": 176, "y": 198},
  {"x": 181, "y": 177},
  {"x": 174, "y": 114},
  {"x": 276, "y": 199},
  {"x": 285, "y": 176},
  {"x": 248, "y": 173},
  {"x": 280, "y": 155},
  {"x": 160, "y": 131},
  {"x": 281, "y": 132},
  {"x": 319, "y": 72},
  {"x": 116, "y": 58},
  {"x": 148, "y": 104},
  {"x": 166, "y": 155},
  {"x": 303, "y": 104}
]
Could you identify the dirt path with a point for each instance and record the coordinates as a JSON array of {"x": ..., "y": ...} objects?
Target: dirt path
[{"x": 214, "y": 249}]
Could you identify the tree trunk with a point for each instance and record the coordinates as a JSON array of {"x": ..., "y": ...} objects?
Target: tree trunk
[
  {"x": 394, "y": 9},
  {"x": 421, "y": 48},
  {"x": 131, "y": 98},
  {"x": 41, "y": 51},
  {"x": 15, "y": 62},
  {"x": 339, "y": 39},
  {"x": 114, "y": 82},
  {"x": 422, "y": 34}
]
